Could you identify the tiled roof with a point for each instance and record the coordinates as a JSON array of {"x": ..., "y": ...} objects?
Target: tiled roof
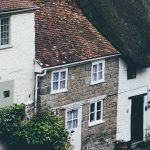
[
  {"x": 64, "y": 35},
  {"x": 8, "y": 5}
]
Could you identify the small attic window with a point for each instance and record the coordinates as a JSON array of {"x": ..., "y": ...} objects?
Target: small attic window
[{"x": 131, "y": 73}]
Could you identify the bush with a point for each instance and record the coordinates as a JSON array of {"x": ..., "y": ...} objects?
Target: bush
[
  {"x": 43, "y": 130},
  {"x": 11, "y": 118}
]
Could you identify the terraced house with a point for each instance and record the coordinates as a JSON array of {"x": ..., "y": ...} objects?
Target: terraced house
[
  {"x": 76, "y": 74},
  {"x": 17, "y": 52}
]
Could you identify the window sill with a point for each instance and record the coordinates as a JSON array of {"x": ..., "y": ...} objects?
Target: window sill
[
  {"x": 131, "y": 79},
  {"x": 96, "y": 123},
  {"x": 59, "y": 91},
  {"x": 96, "y": 82},
  {"x": 5, "y": 47}
]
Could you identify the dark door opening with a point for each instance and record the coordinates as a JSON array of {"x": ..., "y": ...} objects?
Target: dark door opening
[{"x": 137, "y": 118}]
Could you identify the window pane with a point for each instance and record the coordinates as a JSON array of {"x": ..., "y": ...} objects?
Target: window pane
[
  {"x": 55, "y": 76},
  {"x": 55, "y": 85},
  {"x": 98, "y": 115},
  {"x": 5, "y": 28},
  {"x": 94, "y": 68},
  {"x": 75, "y": 114},
  {"x": 94, "y": 76},
  {"x": 100, "y": 67},
  {"x": 99, "y": 75},
  {"x": 92, "y": 107},
  {"x": 75, "y": 123},
  {"x": 92, "y": 117},
  {"x": 69, "y": 124},
  {"x": 99, "y": 105},
  {"x": 4, "y": 42},
  {"x": 69, "y": 115},
  {"x": 62, "y": 84},
  {"x": 62, "y": 75},
  {"x": 72, "y": 121}
]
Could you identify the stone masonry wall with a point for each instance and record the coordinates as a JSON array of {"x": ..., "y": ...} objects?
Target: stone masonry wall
[{"x": 100, "y": 136}]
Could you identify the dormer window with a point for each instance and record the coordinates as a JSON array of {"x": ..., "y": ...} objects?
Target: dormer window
[{"x": 4, "y": 31}]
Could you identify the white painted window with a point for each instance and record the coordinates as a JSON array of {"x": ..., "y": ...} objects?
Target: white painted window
[
  {"x": 96, "y": 113},
  {"x": 97, "y": 72},
  {"x": 72, "y": 119},
  {"x": 4, "y": 31},
  {"x": 59, "y": 81}
]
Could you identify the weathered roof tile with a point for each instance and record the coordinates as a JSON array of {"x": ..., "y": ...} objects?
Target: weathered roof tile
[
  {"x": 64, "y": 35},
  {"x": 8, "y": 5}
]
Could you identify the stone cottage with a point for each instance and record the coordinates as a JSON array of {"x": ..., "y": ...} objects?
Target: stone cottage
[
  {"x": 17, "y": 51},
  {"x": 76, "y": 74}
]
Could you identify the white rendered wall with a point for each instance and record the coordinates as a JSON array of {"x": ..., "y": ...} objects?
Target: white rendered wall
[
  {"x": 17, "y": 62},
  {"x": 128, "y": 88}
]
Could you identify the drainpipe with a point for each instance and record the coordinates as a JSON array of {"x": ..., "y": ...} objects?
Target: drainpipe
[{"x": 36, "y": 88}]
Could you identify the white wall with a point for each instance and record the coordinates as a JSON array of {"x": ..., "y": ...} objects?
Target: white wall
[
  {"x": 16, "y": 63},
  {"x": 128, "y": 88}
]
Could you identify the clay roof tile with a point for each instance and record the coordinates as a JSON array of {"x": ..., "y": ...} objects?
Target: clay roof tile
[{"x": 64, "y": 35}]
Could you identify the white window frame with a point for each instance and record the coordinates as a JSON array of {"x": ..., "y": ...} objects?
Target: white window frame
[
  {"x": 9, "y": 37},
  {"x": 95, "y": 122},
  {"x": 59, "y": 90},
  {"x": 103, "y": 72}
]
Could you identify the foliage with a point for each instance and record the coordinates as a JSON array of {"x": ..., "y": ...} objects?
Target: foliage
[
  {"x": 43, "y": 129},
  {"x": 11, "y": 118},
  {"x": 119, "y": 141}
]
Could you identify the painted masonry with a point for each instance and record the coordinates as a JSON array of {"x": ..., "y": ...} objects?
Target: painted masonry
[
  {"x": 17, "y": 54},
  {"x": 130, "y": 92}
]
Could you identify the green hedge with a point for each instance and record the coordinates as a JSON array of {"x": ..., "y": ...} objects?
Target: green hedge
[{"x": 44, "y": 129}]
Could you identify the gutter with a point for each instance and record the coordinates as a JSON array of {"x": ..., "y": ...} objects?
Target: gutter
[
  {"x": 80, "y": 62},
  {"x": 18, "y": 11},
  {"x": 44, "y": 71}
]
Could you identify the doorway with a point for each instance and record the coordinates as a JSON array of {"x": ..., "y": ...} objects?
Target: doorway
[
  {"x": 73, "y": 125},
  {"x": 137, "y": 118}
]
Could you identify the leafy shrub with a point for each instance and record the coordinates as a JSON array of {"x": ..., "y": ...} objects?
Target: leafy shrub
[
  {"x": 11, "y": 118},
  {"x": 43, "y": 129}
]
